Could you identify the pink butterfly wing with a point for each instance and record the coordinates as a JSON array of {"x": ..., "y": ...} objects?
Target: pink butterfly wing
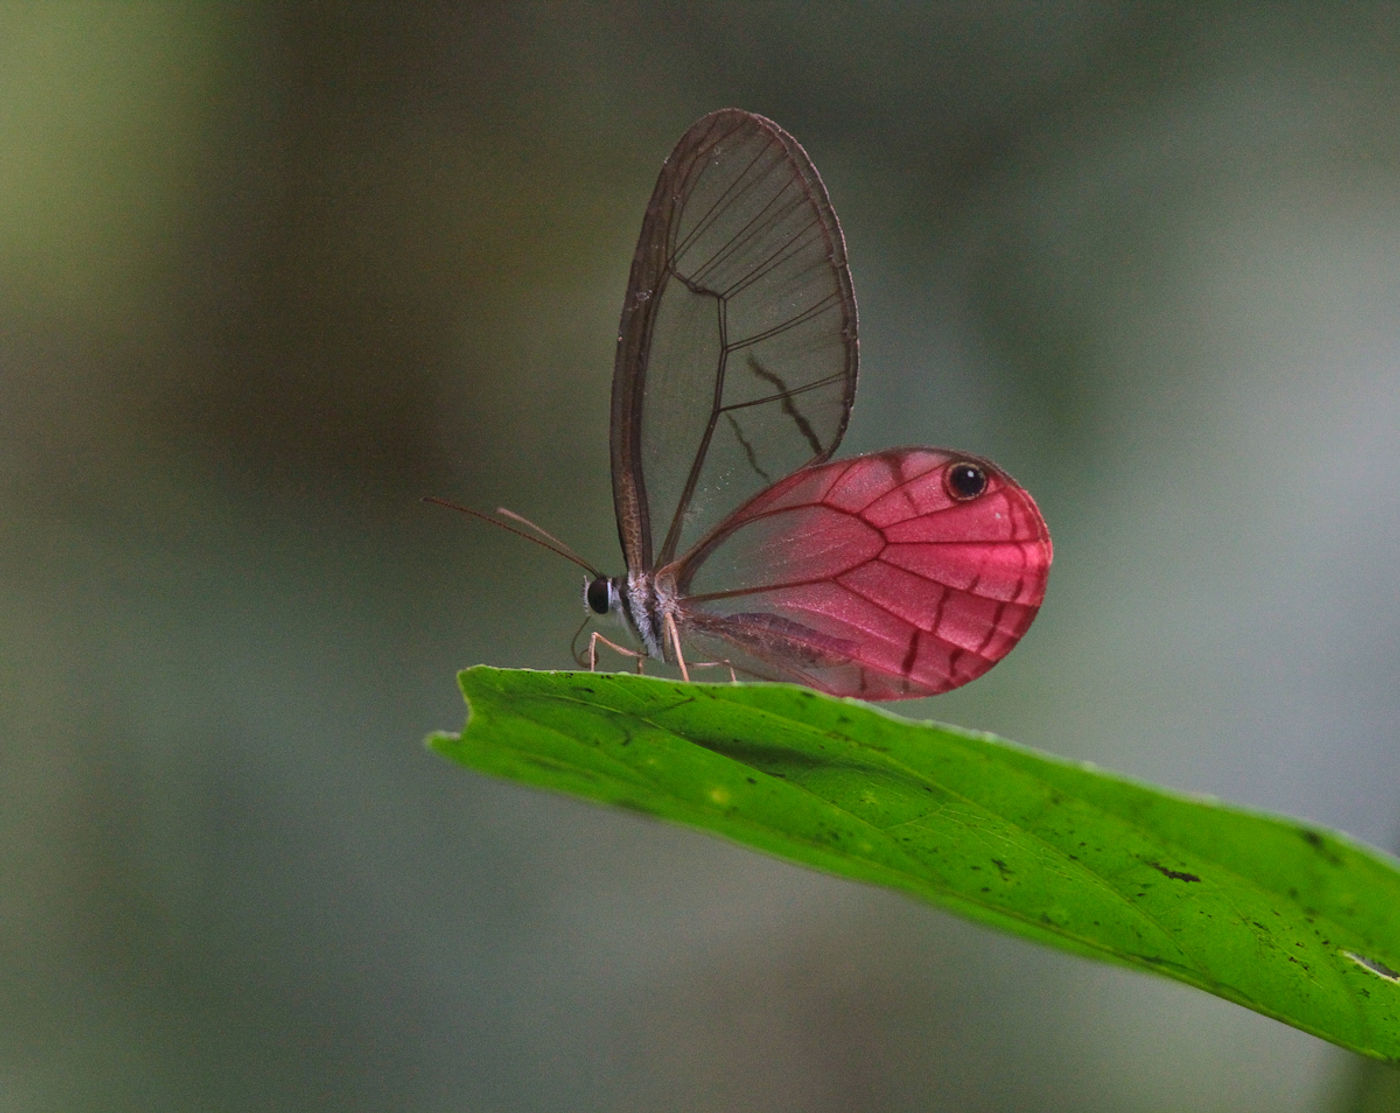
[{"x": 872, "y": 577}]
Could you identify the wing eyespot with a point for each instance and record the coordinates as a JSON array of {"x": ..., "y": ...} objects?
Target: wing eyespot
[{"x": 964, "y": 481}]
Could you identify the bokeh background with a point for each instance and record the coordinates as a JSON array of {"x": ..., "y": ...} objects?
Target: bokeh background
[{"x": 270, "y": 273}]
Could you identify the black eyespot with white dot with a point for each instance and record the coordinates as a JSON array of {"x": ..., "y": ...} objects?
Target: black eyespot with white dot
[{"x": 965, "y": 481}]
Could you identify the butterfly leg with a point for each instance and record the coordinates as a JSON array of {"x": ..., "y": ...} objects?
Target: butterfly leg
[
  {"x": 674, "y": 635},
  {"x": 733, "y": 676},
  {"x": 595, "y": 638}
]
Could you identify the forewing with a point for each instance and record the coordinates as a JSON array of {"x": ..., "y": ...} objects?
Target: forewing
[
  {"x": 869, "y": 577},
  {"x": 736, "y": 356}
]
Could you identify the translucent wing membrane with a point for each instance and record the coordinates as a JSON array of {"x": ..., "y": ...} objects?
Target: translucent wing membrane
[
  {"x": 736, "y": 360},
  {"x": 877, "y": 577},
  {"x": 904, "y": 573}
]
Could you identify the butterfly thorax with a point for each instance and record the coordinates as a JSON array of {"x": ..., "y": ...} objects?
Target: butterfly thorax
[
  {"x": 639, "y": 602},
  {"x": 646, "y": 601}
]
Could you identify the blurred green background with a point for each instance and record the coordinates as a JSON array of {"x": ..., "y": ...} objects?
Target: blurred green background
[{"x": 270, "y": 273}]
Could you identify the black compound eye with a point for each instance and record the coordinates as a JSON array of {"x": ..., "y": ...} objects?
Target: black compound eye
[
  {"x": 598, "y": 595},
  {"x": 965, "y": 481}
]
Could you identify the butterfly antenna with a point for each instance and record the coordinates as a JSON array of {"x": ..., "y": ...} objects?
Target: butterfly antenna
[
  {"x": 559, "y": 546},
  {"x": 540, "y": 537}
]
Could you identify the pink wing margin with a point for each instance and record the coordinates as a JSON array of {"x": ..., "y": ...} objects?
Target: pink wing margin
[{"x": 868, "y": 577}]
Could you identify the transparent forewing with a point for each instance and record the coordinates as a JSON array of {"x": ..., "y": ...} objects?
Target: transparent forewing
[
  {"x": 871, "y": 577},
  {"x": 736, "y": 360}
]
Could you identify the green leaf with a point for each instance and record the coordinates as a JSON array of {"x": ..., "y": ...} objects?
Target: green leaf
[{"x": 1295, "y": 922}]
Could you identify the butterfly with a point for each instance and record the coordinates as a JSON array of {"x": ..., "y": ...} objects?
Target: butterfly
[{"x": 892, "y": 575}]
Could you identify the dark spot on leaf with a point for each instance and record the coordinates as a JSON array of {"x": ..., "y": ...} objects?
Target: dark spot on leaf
[
  {"x": 1175, "y": 875},
  {"x": 1318, "y": 843},
  {"x": 1373, "y": 965}
]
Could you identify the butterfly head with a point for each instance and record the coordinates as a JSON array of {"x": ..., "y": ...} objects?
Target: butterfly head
[{"x": 601, "y": 596}]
